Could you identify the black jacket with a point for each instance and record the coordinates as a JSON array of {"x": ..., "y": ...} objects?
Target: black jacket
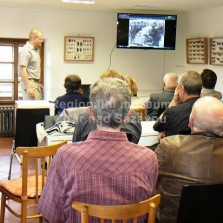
[{"x": 175, "y": 119}]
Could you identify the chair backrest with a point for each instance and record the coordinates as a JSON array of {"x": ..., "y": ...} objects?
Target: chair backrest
[
  {"x": 26, "y": 120},
  {"x": 41, "y": 158},
  {"x": 118, "y": 212},
  {"x": 142, "y": 113},
  {"x": 86, "y": 89},
  {"x": 201, "y": 203}
]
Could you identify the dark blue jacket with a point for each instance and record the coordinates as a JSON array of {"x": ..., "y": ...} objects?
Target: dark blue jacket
[{"x": 70, "y": 100}]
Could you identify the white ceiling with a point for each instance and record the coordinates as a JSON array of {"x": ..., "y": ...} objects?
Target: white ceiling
[{"x": 116, "y": 5}]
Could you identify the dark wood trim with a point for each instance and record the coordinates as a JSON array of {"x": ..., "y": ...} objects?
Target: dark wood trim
[{"x": 16, "y": 42}]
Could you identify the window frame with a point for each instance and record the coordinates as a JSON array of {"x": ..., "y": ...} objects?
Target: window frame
[{"x": 16, "y": 42}]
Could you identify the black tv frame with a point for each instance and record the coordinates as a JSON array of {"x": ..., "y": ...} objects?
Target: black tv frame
[{"x": 134, "y": 31}]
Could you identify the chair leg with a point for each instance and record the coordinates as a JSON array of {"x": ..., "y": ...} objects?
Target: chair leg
[
  {"x": 3, "y": 200},
  {"x": 23, "y": 211},
  {"x": 40, "y": 219},
  {"x": 13, "y": 152},
  {"x": 10, "y": 167},
  {"x": 11, "y": 158}
]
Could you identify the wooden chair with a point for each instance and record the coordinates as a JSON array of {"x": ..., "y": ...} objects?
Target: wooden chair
[
  {"x": 27, "y": 190},
  {"x": 118, "y": 212},
  {"x": 142, "y": 113}
]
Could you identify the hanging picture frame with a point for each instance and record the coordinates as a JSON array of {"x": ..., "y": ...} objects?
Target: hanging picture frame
[
  {"x": 197, "y": 50},
  {"x": 216, "y": 51},
  {"x": 78, "y": 48}
]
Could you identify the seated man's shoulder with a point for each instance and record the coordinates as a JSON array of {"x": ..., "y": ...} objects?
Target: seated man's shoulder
[
  {"x": 162, "y": 96},
  {"x": 60, "y": 98},
  {"x": 180, "y": 107},
  {"x": 174, "y": 109},
  {"x": 173, "y": 144},
  {"x": 143, "y": 152},
  {"x": 213, "y": 93},
  {"x": 176, "y": 139},
  {"x": 187, "y": 141},
  {"x": 155, "y": 96}
]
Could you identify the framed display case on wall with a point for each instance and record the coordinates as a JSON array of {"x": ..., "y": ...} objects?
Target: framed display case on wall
[
  {"x": 197, "y": 50},
  {"x": 216, "y": 51},
  {"x": 77, "y": 48}
]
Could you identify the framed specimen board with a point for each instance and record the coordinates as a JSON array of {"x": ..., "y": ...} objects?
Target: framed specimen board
[
  {"x": 216, "y": 51},
  {"x": 77, "y": 48},
  {"x": 197, "y": 50}
]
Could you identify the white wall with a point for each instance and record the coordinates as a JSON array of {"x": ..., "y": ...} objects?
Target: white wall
[
  {"x": 197, "y": 24},
  {"x": 147, "y": 66}
]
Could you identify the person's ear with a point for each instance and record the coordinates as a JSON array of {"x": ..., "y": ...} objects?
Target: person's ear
[
  {"x": 164, "y": 85},
  {"x": 91, "y": 113},
  {"x": 183, "y": 89}
]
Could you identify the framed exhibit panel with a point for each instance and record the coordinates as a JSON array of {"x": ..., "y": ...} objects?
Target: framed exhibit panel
[
  {"x": 216, "y": 51},
  {"x": 77, "y": 48},
  {"x": 197, "y": 50}
]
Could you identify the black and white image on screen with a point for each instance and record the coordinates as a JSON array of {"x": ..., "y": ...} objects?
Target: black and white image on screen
[{"x": 146, "y": 32}]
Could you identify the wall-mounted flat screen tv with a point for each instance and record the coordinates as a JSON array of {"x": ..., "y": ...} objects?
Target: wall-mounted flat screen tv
[{"x": 146, "y": 31}]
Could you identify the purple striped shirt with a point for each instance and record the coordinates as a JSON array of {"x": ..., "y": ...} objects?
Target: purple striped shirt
[{"x": 105, "y": 169}]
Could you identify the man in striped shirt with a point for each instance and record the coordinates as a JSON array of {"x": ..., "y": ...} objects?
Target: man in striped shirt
[{"x": 106, "y": 168}]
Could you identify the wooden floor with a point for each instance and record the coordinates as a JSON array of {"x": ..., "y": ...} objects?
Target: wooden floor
[{"x": 5, "y": 152}]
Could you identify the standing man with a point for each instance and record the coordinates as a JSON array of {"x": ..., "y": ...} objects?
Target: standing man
[
  {"x": 29, "y": 67},
  {"x": 106, "y": 169}
]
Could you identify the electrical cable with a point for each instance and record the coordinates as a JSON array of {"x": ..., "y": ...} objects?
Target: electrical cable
[{"x": 111, "y": 56}]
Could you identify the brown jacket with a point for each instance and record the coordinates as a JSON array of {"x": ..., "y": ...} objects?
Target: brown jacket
[{"x": 186, "y": 159}]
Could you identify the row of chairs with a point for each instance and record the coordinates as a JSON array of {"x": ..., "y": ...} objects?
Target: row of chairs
[
  {"x": 20, "y": 191},
  {"x": 199, "y": 203}
]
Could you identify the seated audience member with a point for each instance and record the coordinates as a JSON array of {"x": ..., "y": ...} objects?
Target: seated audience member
[
  {"x": 158, "y": 102},
  {"x": 133, "y": 85},
  {"x": 209, "y": 79},
  {"x": 106, "y": 168},
  {"x": 131, "y": 125},
  {"x": 174, "y": 120},
  {"x": 136, "y": 102},
  {"x": 112, "y": 73},
  {"x": 73, "y": 97},
  {"x": 190, "y": 159}
]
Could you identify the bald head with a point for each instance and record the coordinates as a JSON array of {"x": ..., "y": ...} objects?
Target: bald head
[
  {"x": 36, "y": 38},
  {"x": 207, "y": 116},
  {"x": 35, "y": 33},
  {"x": 170, "y": 81}
]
